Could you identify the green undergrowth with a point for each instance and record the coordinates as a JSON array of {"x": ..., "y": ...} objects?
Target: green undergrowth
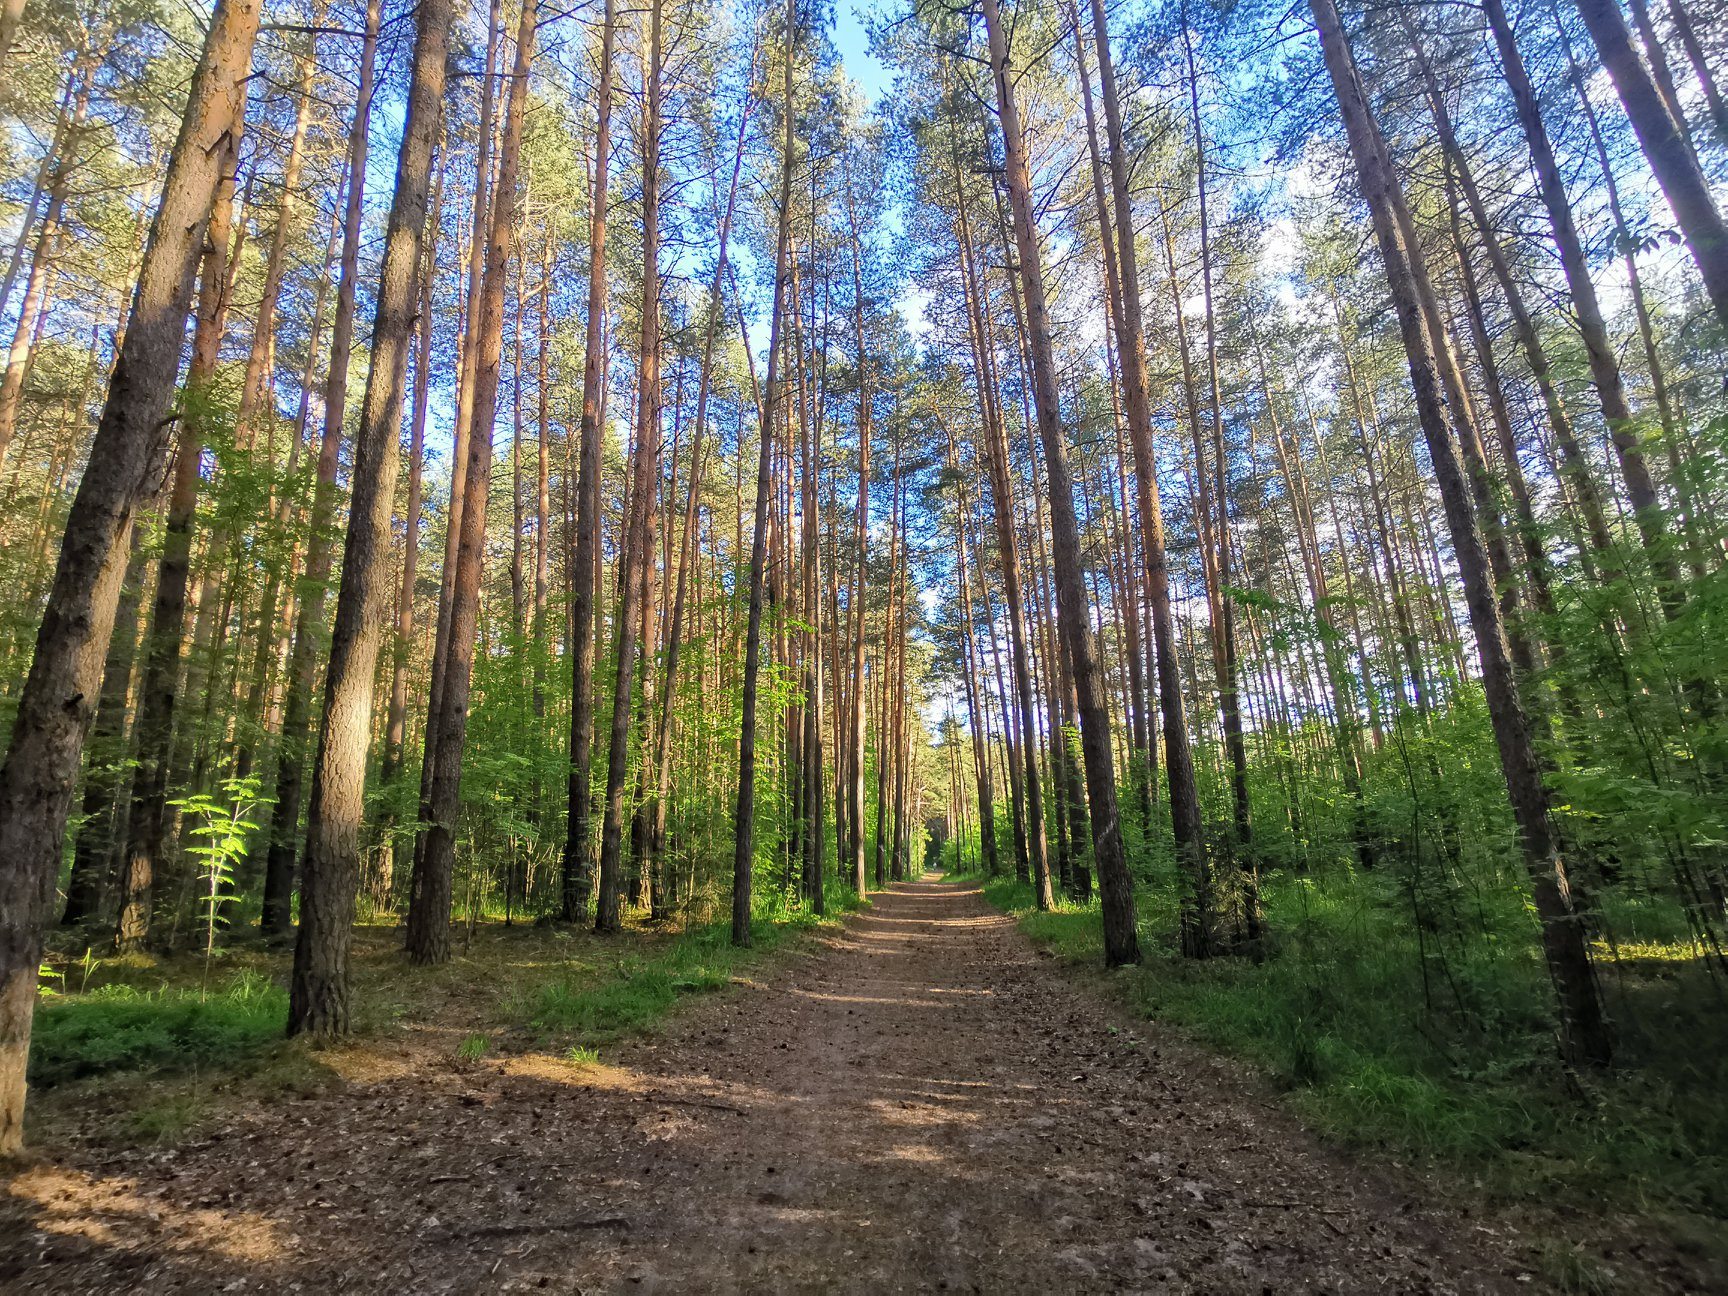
[
  {"x": 120, "y": 1027},
  {"x": 1440, "y": 1050},
  {"x": 646, "y": 983},
  {"x": 168, "y": 1030}
]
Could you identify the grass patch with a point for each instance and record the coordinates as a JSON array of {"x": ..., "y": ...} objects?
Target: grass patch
[
  {"x": 643, "y": 983},
  {"x": 122, "y": 1028},
  {"x": 1439, "y": 1048}
]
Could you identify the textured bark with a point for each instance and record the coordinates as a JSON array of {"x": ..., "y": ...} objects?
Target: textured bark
[
  {"x": 1563, "y": 930},
  {"x": 576, "y": 874},
  {"x": 645, "y": 462},
  {"x": 1598, "y": 346},
  {"x": 95, "y": 852},
  {"x": 1115, "y": 887},
  {"x": 477, "y": 231},
  {"x": 428, "y": 938},
  {"x": 1672, "y": 430},
  {"x": 1124, "y": 577},
  {"x": 1031, "y": 857},
  {"x": 147, "y": 814},
  {"x": 318, "y": 996},
  {"x": 744, "y": 817},
  {"x": 309, "y": 634},
  {"x": 127, "y": 462},
  {"x": 1186, "y": 827}
]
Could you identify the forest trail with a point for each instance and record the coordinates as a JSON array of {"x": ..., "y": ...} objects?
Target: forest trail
[{"x": 925, "y": 1103}]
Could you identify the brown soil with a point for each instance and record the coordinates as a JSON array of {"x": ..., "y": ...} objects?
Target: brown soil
[{"x": 924, "y": 1104}]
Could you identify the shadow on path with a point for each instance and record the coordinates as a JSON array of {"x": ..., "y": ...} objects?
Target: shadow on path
[{"x": 923, "y": 1104}]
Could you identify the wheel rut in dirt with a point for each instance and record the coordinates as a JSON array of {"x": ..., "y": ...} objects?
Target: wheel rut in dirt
[{"x": 924, "y": 1103}]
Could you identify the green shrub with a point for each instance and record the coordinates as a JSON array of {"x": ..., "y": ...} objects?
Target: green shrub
[{"x": 119, "y": 1028}]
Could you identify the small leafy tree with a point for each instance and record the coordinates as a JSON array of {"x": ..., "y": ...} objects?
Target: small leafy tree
[{"x": 223, "y": 824}]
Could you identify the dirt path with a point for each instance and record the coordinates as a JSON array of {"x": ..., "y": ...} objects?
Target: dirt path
[{"x": 924, "y": 1105}]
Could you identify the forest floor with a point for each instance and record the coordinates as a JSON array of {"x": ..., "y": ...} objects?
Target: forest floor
[{"x": 917, "y": 1101}]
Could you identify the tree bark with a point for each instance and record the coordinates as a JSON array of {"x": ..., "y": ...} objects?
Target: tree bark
[
  {"x": 1563, "y": 931},
  {"x": 147, "y": 814},
  {"x": 1186, "y": 828},
  {"x": 309, "y": 642},
  {"x": 1604, "y": 361},
  {"x": 638, "y": 556},
  {"x": 1665, "y": 148},
  {"x": 428, "y": 937},
  {"x": 1121, "y": 944},
  {"x": 576, "y": 873},
  {"x": 127, "y": 462},
  {"x": 319, "y": 992},
  {"x": 744, "y": 817}
]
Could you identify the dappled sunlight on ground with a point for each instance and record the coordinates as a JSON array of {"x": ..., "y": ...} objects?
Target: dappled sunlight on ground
[
  {"x": 89, "y": 1211},
  {"x": 923, "y": 1102}
]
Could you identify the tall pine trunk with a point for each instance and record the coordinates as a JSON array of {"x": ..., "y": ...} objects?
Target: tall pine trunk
[
  {"x": 428, "y": 936},
  {"x": 127, "y": 462},
  {"x": 309, "y": 634},
  {"x": 576, "y": 873},
  {"x": 638, "y": 556},
  {"x": 1563, "y": 929},
  {"x": 744, "y": 816},
  {"x": 319, "y": 992},
  {"x": 1198, "y": 901},
  {"x": 1121, "y": 944}
]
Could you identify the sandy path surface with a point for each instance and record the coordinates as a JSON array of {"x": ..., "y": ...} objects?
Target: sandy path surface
[{"x": 923, "y": 1104}]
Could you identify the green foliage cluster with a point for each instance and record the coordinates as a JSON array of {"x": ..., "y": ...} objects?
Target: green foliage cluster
[
  {"x": 121, "y": 1028},
  {"x": 1338, "y": 1012},
  {"x": 648, "y": 983}
]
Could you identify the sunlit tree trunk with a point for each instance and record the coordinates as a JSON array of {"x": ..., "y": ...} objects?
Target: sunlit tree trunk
[
  {"x": 95, "y": 851},
  {"x": 147, "y": 815},
  {"x": 428, "y": 936},
  {"x": 744, "y": 818},
  {"x": 1199, "y": 903},
  {"x": 638, "y": 558},
  {"x": 576, "y": 872},
  {"x": 459, "y": 451},
  {"x": 1664, "y": 147},
  {"x": 127, "y": 462},
  {"x": 1563, "y": 929},
  {"x": 319, "y": 992},
  {"x": 1121, "y": 944},
  {"x": 309, "y": 634}
]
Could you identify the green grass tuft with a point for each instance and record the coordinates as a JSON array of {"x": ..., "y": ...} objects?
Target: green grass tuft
[
  {"x": 120, "y": 1028},
  {"x": 648, "y": 981}
]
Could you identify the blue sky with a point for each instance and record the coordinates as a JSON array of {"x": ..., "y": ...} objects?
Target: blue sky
[{"x": 853, "y": 42}]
